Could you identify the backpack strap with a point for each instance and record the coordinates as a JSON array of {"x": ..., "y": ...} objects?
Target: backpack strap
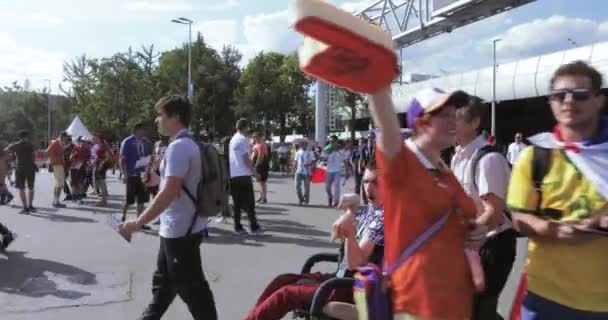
[
  {"x": 188, "y": 193},
  {"x": 195, "y": 215},
  {"x": 418, "y": 242},
  {"x": 540, "y": 167},
  {"x": 481, "y": 152}
]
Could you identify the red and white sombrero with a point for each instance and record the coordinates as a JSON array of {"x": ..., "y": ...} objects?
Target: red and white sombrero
[{"x": 342, "y": 49}]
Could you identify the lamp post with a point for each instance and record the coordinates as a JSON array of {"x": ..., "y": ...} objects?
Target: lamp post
[
  {"x": 48, "y": 124},
  {"x": 494, "y": 86},
  {"x": 188, "y": 22}
]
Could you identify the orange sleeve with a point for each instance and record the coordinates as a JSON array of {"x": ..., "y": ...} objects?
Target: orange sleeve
[{"x": 394, "y": 171}]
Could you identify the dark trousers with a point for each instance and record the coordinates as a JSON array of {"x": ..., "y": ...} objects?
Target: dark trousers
[
  {"x": 497, "y": 257},
  {"x": 359, "y": 189},
  {"x": 179, "y": 272},
  {"x": 66, "y": 189},
  {"x": 4, "y": 230},
  {"x": 241, "y": 189}
]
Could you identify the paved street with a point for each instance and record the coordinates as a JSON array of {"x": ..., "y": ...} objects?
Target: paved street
[{"x": 68, "y": 264}]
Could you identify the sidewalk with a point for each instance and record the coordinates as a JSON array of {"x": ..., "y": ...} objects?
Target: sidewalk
[
  {"x": 72, "y": 258},
  {"x": 69, "y": 264}
]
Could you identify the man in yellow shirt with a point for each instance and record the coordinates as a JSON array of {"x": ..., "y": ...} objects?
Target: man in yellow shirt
[{"x": 567, "y": 267}]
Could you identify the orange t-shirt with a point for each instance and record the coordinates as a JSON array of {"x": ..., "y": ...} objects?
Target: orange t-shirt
[
  {"x": 56, "y": 153},
  {"x": 435, "y": 281}
]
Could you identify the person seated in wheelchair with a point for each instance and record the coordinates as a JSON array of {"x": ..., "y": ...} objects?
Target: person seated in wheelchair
[{"x": 362, "y": 230}]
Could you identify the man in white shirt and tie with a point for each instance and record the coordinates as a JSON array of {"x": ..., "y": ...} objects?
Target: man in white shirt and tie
[{"x": 515, "y": 148}]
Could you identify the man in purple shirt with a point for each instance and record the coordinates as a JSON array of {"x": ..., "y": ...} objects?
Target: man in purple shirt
[{"x": 132, "y": 150}]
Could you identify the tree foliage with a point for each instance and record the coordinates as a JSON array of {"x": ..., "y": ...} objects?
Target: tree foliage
[
  {"x": 111, "y": 94},
  {"x": 275, "y": 91}
]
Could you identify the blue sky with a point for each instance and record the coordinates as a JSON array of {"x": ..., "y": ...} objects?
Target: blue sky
[{"x": 36, "y": 36}]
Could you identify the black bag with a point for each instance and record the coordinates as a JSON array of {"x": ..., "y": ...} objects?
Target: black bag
[{"x": 540, "y": 167}]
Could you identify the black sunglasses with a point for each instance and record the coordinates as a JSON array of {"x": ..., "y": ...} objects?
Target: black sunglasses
[{"x": 577, "y": 94}]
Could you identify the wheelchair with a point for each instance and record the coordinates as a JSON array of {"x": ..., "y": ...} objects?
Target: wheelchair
[{"x": 320, "y": 309}]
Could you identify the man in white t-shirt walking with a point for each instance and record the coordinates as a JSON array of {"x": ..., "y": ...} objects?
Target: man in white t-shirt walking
[
  {"x": 179, "y": 270},
  {"x": 516, "y": 148},
  {"x": 484, "y": 174},
  {"x": 335, "y": 158},
  {"x": 304, "y": 161},
  {"x": 241, "y": 183}
]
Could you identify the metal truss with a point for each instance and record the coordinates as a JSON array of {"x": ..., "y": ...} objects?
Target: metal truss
[{"x": 412, "y": 21}]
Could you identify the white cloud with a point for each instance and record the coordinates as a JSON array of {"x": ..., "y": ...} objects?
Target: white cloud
[
  {"x": 157, "y": 6},
  {"x": 270, "y": 32},
  {"x": 451, "y": 52},
  {"x": 470, "y": 47},
  {"x": 218, "y": 33},
  {"x": 43, "y": 18},
  {"x": 542, "y": 36},
  {"x": 225, "y": 5},
  {"x": 260, "y": 32},
  {"x": 18, "y": 63}
]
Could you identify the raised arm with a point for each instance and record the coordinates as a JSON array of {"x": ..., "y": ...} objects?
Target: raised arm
[{"x": 383, "y": 113}]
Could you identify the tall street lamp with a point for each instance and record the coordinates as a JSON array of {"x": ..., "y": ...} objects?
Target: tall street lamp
[
  {"x": 188, "y": 22},
  {"x": 494, "y": 86},
  {"x": 49, "y": 134}
]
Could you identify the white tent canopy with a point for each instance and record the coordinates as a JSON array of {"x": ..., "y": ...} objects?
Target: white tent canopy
[{"x": 78, "y": 129}]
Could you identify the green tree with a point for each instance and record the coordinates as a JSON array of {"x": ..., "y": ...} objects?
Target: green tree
[
  {"x": 215, "y": 77},
  {"x": 272, "y": 89},
  {"x": 352, "y": 103},
  {"x": 28, "y": 110}
]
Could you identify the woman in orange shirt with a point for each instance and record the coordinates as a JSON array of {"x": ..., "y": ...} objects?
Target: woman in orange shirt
[{"x": 436, "y": 281}]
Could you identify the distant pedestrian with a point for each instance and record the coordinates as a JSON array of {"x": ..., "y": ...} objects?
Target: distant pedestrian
[
  {"x": 283, "y": 154},
  {"x": 241, "y": 184},
  {"x": 5, "y": 195},
  {"x": 79, "y": 158},
  {"x": 335, "y": 157},
  {"x": 57, "y": 164},
  {"x": 101, "y": 156},
  {"x": 25, "y": 172},
  {"x": 516, "y": 148},
  {"x": 134, "y": 150},
  {"x": 260, "y": 156},
  {"x": 305, "y": 160}
]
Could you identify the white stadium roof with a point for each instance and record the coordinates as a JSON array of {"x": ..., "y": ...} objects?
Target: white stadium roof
[{"x": 516, "y": 80}]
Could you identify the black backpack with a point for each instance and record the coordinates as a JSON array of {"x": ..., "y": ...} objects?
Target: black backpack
[{"x": 540, "y": 166}]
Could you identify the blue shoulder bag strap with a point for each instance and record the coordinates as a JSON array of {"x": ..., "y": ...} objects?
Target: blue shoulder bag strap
[{"x": 418, "y": 242}]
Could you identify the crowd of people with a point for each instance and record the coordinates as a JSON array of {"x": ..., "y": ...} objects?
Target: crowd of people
[{"x": 479, "y": 202}]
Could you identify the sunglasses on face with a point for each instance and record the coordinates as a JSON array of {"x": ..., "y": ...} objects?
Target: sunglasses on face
[{"x": 577, "y": 94}]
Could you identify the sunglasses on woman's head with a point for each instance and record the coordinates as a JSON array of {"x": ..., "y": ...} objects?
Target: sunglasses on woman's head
[{"x": 577, "y": 94}]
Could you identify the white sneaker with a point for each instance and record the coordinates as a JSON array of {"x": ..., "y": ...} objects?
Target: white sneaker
[{"x": 221, "y": 219}]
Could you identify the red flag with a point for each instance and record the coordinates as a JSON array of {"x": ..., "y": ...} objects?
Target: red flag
[
  {"x": 318, "y": 176},
  {"x": 520, "y": 295}
]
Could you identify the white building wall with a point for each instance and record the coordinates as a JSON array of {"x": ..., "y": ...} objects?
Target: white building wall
[{"x": 516, "y": 80}]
